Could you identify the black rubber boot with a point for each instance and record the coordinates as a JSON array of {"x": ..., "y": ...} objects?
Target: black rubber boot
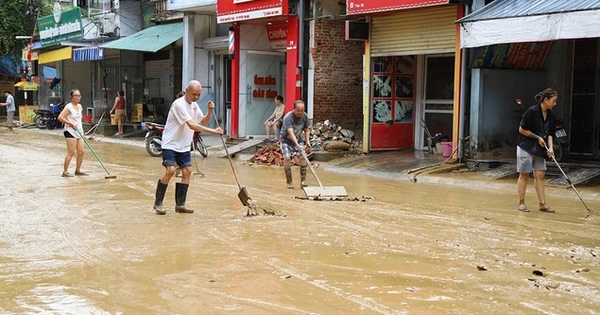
[
  {"x": 303, "y": 175},
  {"x": 161, "y": 189},
  {"x": 180, "y": 195},
  {"x": 288, "y": 177}
]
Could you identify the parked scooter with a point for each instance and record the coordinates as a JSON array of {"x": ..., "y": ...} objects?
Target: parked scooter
[
  {"x": 561, "y": 143},
  {"x": 154, "y": 140},
  {"x": 45, "y": 118}
]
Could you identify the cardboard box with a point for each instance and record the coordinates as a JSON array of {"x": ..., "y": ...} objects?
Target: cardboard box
[
  {"x": 26, "y": 113},
  {"x": 137, "y": 112}
]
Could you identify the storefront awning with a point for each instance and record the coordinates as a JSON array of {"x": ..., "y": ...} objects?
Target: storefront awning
[
  {"x": 55, "y": 55},
  {"x": 27, "y": 86},
  {"x": 517, "y": 21},
  {"x": 88, "y": 54},
  {"x": 151, "y": 39}
]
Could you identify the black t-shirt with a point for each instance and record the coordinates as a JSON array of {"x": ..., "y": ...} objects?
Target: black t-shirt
[{"x": 533, "y": 120}]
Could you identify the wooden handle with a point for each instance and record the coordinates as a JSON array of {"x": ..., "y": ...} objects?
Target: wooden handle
[{"x": 311, "y": 168}]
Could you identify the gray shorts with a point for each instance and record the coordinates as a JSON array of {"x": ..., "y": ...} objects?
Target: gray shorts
[
  {"x": 9, "y": 118},
  {"x": 527, "y": 162}
]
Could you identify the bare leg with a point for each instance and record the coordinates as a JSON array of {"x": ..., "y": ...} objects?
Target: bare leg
[
  {"x": 539, "y": 186},
  {"x": 521, "y": 189},
  {"x": 71, "y": 148},
  {"x": 79, "y": 155},
  {"x": 169, "y": 172},
  {"x": 267, "y": 130},
  {"x": 186, "y": 173},
  {"x": 120, "y": 125}
]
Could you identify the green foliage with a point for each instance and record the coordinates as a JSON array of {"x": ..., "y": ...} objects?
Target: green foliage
[{"x": 19, "y": 17}]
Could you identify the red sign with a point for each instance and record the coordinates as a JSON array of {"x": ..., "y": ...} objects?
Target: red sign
[
  {"x": 235, "y": 10},
  {"x": 277, "y": 37},
  {"x": 370, "y": 6}
]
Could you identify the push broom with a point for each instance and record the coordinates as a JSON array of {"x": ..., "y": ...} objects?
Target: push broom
[{"x": 96, "y": 155}]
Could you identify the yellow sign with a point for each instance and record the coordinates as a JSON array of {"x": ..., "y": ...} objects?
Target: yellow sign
[
  {"x": 26, "y": 113},
  {"x": 137, "y": 112},
  {"x": 27, "y": 86},
  {"x": 56, "y": 55}
]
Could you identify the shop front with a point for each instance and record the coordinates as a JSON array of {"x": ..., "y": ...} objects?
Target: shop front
[
  {"x": 412, "y": 72},
  {"x": 521, "y": 49},
  {"x": 263, "y": 51}
]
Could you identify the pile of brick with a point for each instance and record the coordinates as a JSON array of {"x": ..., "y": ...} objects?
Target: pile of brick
[{"x": 271, "y": 155}]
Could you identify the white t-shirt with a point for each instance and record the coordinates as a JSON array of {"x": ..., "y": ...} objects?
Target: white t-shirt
[
  {"x": 74, "y": 117},
  {"x": 177, "y": 136}
]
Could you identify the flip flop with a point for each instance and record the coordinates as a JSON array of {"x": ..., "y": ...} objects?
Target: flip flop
[
  {"x": 547, "y": 209},
  {"x": 523, "y": 207}
]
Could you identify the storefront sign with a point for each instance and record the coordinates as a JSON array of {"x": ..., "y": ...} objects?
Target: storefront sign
[
  {"x": 369, "y": 6},
  {"x": 34, "y": 55},
  {"x": 60, "y": 27},
  {"x": 235, "y": 10},
  {"x": 174, "y": 5},
  {"x": 517, "y": 56},
  {"x": 277, "y": 37},
  {"x": 260, "y": 84}
]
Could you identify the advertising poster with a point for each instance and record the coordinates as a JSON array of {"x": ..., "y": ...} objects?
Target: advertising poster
[{"x": 517, "y": 56}]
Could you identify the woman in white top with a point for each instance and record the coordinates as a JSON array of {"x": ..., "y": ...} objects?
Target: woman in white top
[
  {"x": 274, "y": 121},
  {"x": 71, "y": 116}
]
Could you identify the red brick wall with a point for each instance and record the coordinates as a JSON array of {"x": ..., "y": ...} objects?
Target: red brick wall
[{"x": 338, "y": 76}]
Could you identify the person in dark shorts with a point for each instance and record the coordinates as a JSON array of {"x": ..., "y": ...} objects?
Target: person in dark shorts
[
  {"x": 71, "y": 117},
  {"x": 291, "y": 142},
  {"x": 185, "y": 117},
  {"x": 536, "y": 133}
]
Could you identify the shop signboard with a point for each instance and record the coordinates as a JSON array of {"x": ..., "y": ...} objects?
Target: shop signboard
[
  {"x": 174, "y": 5},
  {"x": 239, "y": 10},
  {"x": 371, "y": 6},
  {"x": 516, "y": 56},
  {"x": 61, "y": 26},
  {"x": 277, "y": 37}
]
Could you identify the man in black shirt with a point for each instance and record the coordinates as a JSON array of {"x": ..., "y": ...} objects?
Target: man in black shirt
[{"x": 536, "y": 133}]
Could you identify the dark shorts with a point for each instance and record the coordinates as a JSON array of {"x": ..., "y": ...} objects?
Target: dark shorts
[
  {"x": 173, "y": 158},
  {"x": 68, "y": 134}
]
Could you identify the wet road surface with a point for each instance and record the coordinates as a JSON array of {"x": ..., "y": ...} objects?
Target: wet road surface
[{"x": 87, "y": 245}]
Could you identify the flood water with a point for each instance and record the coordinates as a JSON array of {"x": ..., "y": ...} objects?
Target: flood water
[{"x": 88, "y": 245}]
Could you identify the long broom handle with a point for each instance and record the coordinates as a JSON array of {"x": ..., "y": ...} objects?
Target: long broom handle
[
  {"x": 227, "y": 151},
  {"x": 570, "y": 183},
  {"x": 312, "y": 170},
  {"x": 92, "y": 149}
]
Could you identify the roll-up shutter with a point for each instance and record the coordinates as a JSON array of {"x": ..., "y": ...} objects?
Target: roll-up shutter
[
  {"x": 414, "y": 32},
  {"x": 159, "y": 69}
]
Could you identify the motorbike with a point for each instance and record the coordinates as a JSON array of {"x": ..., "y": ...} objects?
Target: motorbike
[
  {"x": 153, "y": 140},
  {"x": 48, "y": 118},
  {"x": 561, "y": 143}
]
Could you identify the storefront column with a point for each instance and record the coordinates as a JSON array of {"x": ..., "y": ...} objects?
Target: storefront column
[
  {"x": 293, "y": 78},
  {"x": 235, "y": 82},
  {"x": 457, "y": 86},
  {"x": 188, "y": 50}
]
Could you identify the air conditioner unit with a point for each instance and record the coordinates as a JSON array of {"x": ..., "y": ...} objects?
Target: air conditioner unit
[
  {"x": 216, "y": 43},
  {"x": 108, "y": 26}
]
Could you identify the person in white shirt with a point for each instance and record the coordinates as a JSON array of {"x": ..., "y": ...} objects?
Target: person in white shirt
[
  {"x": 71, "y": 116},
  {"x": 10, "y": 109},
  {"x": 185, "y": 117}
]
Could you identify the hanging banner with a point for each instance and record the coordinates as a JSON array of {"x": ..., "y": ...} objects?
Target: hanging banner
[
  {"x": 517, "y": 56},
  {"x": 61, "y": 26},
  {"x": 369, "y": 6},
  {"x": 278, "y": 37},
  {"x": 235, "y": 10}
]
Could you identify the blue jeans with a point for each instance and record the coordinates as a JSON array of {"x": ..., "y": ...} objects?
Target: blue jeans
[{"x": 174, "y": 158}]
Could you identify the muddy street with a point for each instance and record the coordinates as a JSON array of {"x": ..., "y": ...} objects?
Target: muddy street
[{"x": 88, "y": 245}]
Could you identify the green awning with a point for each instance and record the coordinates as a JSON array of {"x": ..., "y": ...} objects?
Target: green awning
[{"x": 150, "y": 39}]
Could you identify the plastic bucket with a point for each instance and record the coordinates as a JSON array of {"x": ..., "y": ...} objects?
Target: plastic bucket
[
  {"x": 87, "y": 118},
  {"x": 446, "y": 149},
  {"x": 113, "y": 119}
]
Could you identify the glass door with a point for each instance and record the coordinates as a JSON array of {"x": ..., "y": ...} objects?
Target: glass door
[{"x": 438, "y": 96}]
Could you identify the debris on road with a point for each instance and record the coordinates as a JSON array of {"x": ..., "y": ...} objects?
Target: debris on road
[
  {"x": 349, "y": 198},
  {"x": 481, "y": 268},
  {"x": 331, "y": 137}
]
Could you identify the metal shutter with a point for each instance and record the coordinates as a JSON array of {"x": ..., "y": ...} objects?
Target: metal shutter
[
  {"x": 159, "y": 69},
  {"x": 414, "y": 32}
]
